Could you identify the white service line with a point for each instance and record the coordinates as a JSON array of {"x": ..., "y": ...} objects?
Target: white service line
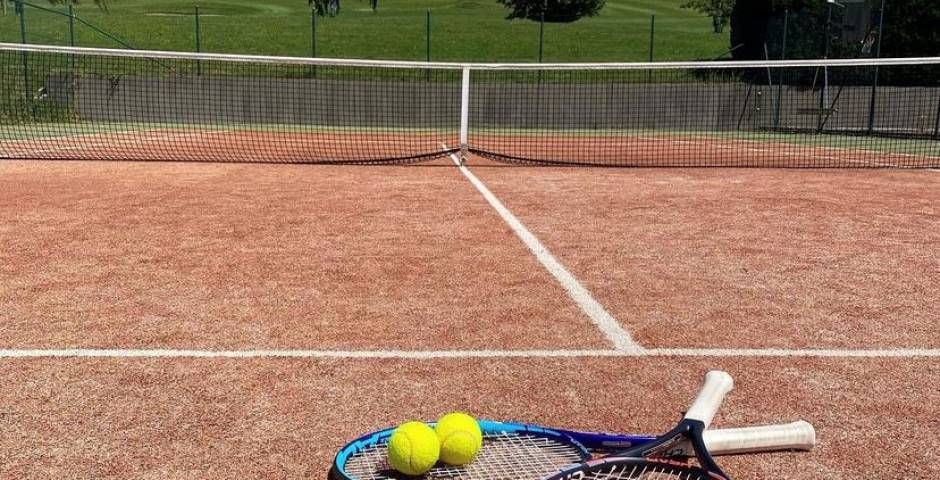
[
  {"x": 464, "y": 354},
  {"x": 616, "y": 334}
]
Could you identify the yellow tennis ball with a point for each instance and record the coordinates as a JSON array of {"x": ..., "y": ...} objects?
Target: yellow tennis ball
[
  {"x": 413, "y": 448},
  {"x": 460, "y": 438}
]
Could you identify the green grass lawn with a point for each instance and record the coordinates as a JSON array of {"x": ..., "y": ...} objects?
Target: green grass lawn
[{"x": 461, "y": 30}]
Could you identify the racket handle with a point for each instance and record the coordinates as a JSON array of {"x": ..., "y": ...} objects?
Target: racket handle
[
  {"x": 717, "y": 384},
  {"x": 767, "y": 438}
]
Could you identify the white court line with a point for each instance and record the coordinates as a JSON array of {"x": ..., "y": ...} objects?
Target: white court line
[
  {"x": 464, "y": 354},
  {"x": 616, "y": 334}
]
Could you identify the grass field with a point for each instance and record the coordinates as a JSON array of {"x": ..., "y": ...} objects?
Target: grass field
[{"x": 461, "y": 30}]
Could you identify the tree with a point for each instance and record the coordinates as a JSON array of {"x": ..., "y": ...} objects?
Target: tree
[
  {"x": 555, "y": 10},
  {"x": 719, "y": 10},
  {"x": 909, "y": 31},
  {"x": 910, "y": 28}
]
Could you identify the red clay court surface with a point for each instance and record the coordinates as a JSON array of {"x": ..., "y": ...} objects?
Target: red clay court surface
[{"x": 401, "y": 293}]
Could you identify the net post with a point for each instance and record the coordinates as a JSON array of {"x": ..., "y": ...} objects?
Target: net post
[{"x": 464, "y": 113}]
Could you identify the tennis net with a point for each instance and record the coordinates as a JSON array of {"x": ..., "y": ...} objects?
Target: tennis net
[{"x": 101, "y": 104}]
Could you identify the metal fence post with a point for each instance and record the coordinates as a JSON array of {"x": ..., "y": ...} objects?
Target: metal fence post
[
  {"x": 313, "y": 32},
  {"x": 542, "y": 31},
  {"x": 71, "y": 25},
  {"x": 649, "y": 73},
  {"x": 783, "y": 56},
  {"x": 198, "y": 42},
  {"x": 20, "y": 9},
  {"x": 874, "y": 84},
  {"x": 936, "y": 127},
  {"x": 313, "y": 39}
]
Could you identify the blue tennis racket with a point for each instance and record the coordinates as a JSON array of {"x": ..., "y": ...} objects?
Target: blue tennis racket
[
  {"x": 518, "y": 451},
  {"x": 657, "y": 459}
]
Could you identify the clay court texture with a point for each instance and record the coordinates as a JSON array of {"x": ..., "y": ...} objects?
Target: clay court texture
[{"x": 224, "y": 320}]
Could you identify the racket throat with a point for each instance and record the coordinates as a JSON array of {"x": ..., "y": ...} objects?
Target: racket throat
[{"x": 683, "y": 442}]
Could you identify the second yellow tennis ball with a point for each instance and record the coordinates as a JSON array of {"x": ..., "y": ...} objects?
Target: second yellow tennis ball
[
  {"x": 413, "y": 448},
  {"x": 460, "y": 438}
]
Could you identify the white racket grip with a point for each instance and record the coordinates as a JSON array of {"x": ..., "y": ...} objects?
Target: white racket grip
[
  {"x": 717, "y": 385},
  {"x": 798, "y": 435}
]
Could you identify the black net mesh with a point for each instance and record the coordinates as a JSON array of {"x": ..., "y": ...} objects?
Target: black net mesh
[
  {"x": 61, "y": 106},
  {"x": 771, "y": 116},
  {"x": 60, "y": 103}
]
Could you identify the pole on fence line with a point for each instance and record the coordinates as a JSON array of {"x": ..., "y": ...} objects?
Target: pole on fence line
[
  {"x": 198, "y": 32},
  {"x": 649, "y": 73},
  {"x": 428, "y": 30},
  {"x": 313, "y": 38},
  {"x": 783, "y": 56},
  {"x": 542, "y": 31},
  {"x": 313, "y": 32},
  {"x": 21, "y": 10},
  {"x": 71, "y": 25},
  {"x": 874, "y": 83},
  {"x": 71, "y": 35},
  {"x": 824, "y": 93},
  {"x": 936, "y": 126},
  {"x": 770, "y": 84},
  {"x": 198, "y": 42}
]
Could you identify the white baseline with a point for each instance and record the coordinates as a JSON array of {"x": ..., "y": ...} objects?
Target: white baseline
[{"x": 465, "y": 354}]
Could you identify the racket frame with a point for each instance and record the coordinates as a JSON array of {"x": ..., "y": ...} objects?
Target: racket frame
[
  {"x": 689, "y": 431},
  {"x": 337, "y": 471}
]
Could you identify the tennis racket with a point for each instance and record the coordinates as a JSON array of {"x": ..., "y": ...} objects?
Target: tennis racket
[
  {"x": 517, "y": 451},
  {"x": 657, "y": 459}
]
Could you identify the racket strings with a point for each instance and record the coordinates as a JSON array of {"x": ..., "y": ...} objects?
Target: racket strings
[
  {"x": 504, "y": 456},
  {"x": 644, "y": 471}
]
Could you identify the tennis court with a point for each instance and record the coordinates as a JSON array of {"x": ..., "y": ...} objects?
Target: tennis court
[{"x": 233, "y": 313}]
